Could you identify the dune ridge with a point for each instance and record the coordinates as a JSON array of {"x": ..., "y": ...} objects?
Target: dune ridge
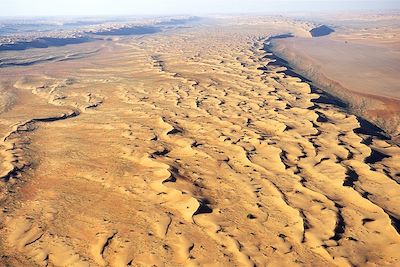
[
  {"x": 191, "y": 148},
  {"x": 357, "y": 63}
]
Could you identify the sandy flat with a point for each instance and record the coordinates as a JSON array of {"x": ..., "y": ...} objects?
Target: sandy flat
[
  {"x": 186, "y": 148},
  {"x": 373, "y": 70}
]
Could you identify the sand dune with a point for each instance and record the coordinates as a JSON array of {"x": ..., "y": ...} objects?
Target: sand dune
[
  {"x": 359, "y": 63},
  {"x": 189, "y": 148}
]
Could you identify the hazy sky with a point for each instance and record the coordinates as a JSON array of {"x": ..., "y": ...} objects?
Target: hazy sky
[{"x": 148, "y": 7}]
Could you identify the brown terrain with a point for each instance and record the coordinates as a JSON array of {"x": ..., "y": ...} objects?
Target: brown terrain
[
  {"x": 189, "y": 148},
  {"x": 359, "y": 63}
]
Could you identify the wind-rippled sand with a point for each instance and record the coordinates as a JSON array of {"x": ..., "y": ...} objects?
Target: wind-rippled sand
[{"x": 187, "y": 149}]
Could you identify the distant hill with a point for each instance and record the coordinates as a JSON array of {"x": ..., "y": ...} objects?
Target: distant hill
[{"x": 321, "y": 31}]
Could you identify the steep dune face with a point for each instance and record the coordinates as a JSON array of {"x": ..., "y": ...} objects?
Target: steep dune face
[{"x": 190, "y": 149}]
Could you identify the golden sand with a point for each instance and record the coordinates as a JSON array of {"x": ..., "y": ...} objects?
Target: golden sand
[{"x": 175, "y": 149}]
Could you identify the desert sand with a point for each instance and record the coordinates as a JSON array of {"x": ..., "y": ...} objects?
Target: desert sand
[
  {"x": 359, "y": 63},
  {"x": 188, "y": 148}
]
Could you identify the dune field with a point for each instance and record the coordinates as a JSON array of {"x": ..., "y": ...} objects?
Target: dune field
[{"x": 189, "y": 147}]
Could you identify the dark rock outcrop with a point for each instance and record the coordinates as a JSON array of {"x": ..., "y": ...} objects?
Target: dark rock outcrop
[{"x": 321, "y": 31}]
